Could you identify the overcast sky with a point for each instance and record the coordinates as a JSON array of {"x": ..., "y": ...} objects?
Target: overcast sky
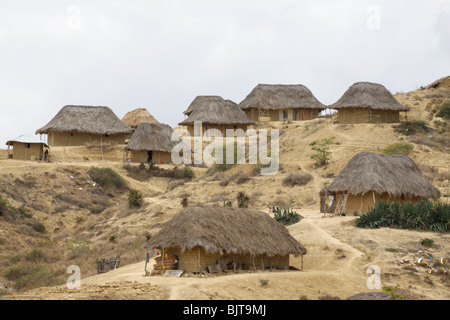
[{"x": 160, "y": 55}]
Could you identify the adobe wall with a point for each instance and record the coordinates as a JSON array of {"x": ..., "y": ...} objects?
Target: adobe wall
[
  {"x": 21, "y": 152},
  {"x": 189, "y": 260},
  {"x": 365, "y": 115},
  {"x": 142, "y": 156},
  {"x": 69, "y": 139},
  {"x": 360, "y": 205}
]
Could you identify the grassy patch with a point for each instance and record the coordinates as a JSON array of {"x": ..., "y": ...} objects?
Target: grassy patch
[
  {"x": 107, "y": 178},
  {"x": 399, "y": 148}
]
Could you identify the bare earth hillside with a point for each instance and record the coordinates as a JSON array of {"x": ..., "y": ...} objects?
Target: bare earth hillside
[{"x": 62, "y": 218}]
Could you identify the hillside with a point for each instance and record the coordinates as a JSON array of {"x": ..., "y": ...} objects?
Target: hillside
[{"x": 84, "y": 221}]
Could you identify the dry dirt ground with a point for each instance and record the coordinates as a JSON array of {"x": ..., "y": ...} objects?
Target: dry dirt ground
[
  {"x": 84, "y": 222},
  {"x": 335, "y": 266}
]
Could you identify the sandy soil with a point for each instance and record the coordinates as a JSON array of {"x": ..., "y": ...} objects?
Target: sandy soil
[
  {"x": 335, "y": 266},
  {"x": 338, "y": 253}
]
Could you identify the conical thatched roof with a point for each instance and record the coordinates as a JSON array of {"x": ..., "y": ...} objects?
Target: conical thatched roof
[
  {"x": 215, "y": 110},
  {"x": 199, "y": 100},
  {"x": 93, "y": 120},
  {"x": 151, "y": 136},
  {"x": 226, "y": 230},
  {"x": 396, "y": 175},
  {"x": 368, "y": 95},
  {"x": 277, "y": 96},
  {"x": 135, "y": 117}
]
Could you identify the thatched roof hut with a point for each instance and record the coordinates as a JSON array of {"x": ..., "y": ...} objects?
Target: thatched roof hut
[
  {"x": 381, "y": 177},
  {"x": 281, "y": 96},
  {"x": 215, "y": 110},
  {"x": 367, "y": 102},
  {"x": 200, "y": 100},
  {"x": 281, "y": 102},
  {"x": 148, "y": 136},
  {"x": 88, "y": 119},
  {"x": 215, "y": 113},
  {"x": 396, "y": 175},
  {"x": 368, "y": 95},
  {"x": 135, "y": 117},
  {"x": 78, "y": 125},
  {"x": 220, "y": 231}
]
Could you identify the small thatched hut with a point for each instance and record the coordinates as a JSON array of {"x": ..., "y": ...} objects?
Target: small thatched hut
[
  {"x": 443, "y": 82},
  {"x": 215, "y": 113},
  {"x": 85, "y": 125},
  {"x": 230, "y": 237},
  {"x": 135, "y": 117},
  {"x": 151, "y": 143},
  {"x": 370, "y": 177},
  {"x": 269, "y": 102},
  {"x": 27, "y": 147},
  {"x": 367, "y": 102}
]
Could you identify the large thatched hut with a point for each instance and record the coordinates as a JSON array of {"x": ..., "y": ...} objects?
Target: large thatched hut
[
  {"x": 138, "y": 116},
  {"x": 369, "y": 178},
  {"x": 27, "y": 147},
  {"x": 367, "y": 102},
  {"x": 151, "y": 143},
  {"x": 200, "y": 236},
  {"x": 215, "y": 113},
  {"x": 85, "y": 125},
  {"x": 270, "y": 102}
]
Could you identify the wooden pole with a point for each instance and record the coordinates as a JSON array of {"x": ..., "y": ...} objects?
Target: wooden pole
[{"x": 199, "y": 269}]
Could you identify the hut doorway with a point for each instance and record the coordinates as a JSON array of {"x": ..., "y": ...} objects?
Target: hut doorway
[
  {"x": 149, "y": 156},
  {"x": 285, "y": 115}
]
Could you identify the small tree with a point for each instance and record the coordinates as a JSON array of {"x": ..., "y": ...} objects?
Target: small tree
[
  {"x": 134, "y": 199},
  {"x": 321, "y": 147}
]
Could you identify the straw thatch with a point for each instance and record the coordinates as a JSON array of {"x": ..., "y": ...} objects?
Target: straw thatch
[
  {"x": 368, "y": 95},
  {"x": 439, "y": 82},
  {"x": 226, "y": 230},
  {"x": 276, "y": 97},
  {"x": 87, "y": 119},
  {"x": 396, "y": 175},
  {"x": 215, "y": 110},
  {"x": 135, "y": 117},
  {"x": 148, "y": 136},
  {"x": 199, "y": 100}
]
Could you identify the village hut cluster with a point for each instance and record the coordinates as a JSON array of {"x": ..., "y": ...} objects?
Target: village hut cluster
[{"x": 219, "y": 239}]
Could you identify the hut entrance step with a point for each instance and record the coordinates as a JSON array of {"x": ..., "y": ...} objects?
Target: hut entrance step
[{"x": 341, "y": 204}]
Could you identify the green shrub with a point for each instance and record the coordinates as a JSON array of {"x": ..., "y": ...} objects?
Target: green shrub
[
  {"x": 422, "y": 215},
  {"x": 186, "y": 173},
  {"x": 107, "y": 178},
  {"x": 398, "y": 148},
  {"x": 412, "y": 127},
  {"x": 444, "y": 111},
  {"x": 427, "y": 242},
  {"x": 286, "y": 216},
  {"x": 134, "y": 199},
  {"x": 321, "y": 147}
]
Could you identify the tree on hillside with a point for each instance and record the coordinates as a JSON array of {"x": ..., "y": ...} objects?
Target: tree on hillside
[{"x": 321, "y": 147}]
